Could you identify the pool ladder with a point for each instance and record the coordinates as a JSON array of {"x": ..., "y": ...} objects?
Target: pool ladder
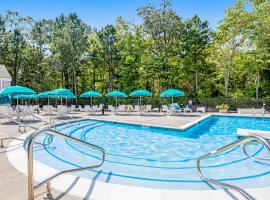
[
  {"x": 47, "y": 181},
  {"x": 244, "y": 142},
  {"x": 30, "y": 141}
]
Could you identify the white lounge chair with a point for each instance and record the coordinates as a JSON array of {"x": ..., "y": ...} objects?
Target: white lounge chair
[
  {"x": 148, "y": 108},
  {"x": 7, "y": 113},
  {"x": 165, "y": 108},
  {"x": 111, "y": 108},
  {"x": 137, "y": 108},
  {"x": 187, "y": 109},
  {"x": 251, "y": 111},
  {"x": 62, "y": 111},
  {"x": 87, "y": 108},
  {"x": 201, "y": 109},
  {"x": 121, "y": 108},
  {"x": 49, "y": 110},
  {"x": 27, "y": 111}
]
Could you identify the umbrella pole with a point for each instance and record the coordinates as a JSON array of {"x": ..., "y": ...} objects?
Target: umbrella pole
[
  {"x": 140, "y": 100},
  {"x": 172, "y": 99},
  {"x": 91, "y": 102}
]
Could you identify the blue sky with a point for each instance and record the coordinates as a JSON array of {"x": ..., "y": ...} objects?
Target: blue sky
[{"x": 98, "y": 13}]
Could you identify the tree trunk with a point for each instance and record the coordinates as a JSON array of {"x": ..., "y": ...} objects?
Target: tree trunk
[
  {"x": 74, "y": 81},
  {"x": 227, "y": 79},
  {"x": 257, "y": 83},
  {"x": 196, "y": 82}
]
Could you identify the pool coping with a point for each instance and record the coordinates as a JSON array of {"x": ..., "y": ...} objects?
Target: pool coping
[{"x": 111, "y": 191}]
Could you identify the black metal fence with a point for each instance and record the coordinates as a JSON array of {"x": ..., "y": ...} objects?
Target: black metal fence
[{"x": 156, "y": 102}]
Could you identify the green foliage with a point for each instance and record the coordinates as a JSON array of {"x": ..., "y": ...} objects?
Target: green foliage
[
  {"x": 222, "y": 107},
  {"x": 164, "y": 51}
]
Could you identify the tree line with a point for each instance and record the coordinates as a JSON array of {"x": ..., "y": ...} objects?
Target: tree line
[{"x": 164, "y": 51}]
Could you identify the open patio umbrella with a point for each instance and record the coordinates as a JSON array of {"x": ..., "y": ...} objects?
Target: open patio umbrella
[
  {"x": 63, "y": 93},
  {"x": 91, "y": 94},
  {"x": 17, "y": 90},
  {"x": 116, "y": 94},
  {"x": 172, "y": 93},
  {"x": 140, "y": 93},
  {"x": 24, "y": 97},
  {"x": 5, "y": 100},
  {"x": 47, "y": 95}
]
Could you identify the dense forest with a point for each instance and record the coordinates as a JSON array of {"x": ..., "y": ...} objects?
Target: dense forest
[{"x": 164, "y": 51}]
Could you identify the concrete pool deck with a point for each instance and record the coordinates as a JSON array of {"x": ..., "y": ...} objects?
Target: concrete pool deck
[{"x": 68, "y": 185}]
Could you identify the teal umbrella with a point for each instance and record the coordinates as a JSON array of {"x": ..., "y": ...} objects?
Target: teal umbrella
[
  {"x": 91, "y": 94},
  {"x": 116, "y": 94},
  {"x": 23, "y": 96},
  {"x": 172, "y": 93},
  {"x": 140, "y": 93},
  {"x": 17, "y": 90},
  {"x": 63, "y": 93},
  {"x": 5, "y": 100},
  {"x": 47, "y": 95}
]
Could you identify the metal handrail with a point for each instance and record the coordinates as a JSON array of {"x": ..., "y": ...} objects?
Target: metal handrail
[
  {"x": 226, "y": 148},
  {"x": 31, "y": 187},
  {"x": 247, "y": 154}
]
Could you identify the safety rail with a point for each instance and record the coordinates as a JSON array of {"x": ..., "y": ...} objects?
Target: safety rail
[
  {"x": 31, "y": 186},
  {"x": 224, "y": 149},
  {"x": 247, "y": 154}
]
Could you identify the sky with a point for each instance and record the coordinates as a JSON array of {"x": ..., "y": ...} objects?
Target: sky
[{"x": 98, "y": 13}]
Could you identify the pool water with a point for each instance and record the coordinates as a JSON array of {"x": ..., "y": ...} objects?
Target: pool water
[{"x": 158, "y": 157}]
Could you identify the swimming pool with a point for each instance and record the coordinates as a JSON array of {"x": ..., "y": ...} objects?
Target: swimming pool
[{"x": 160, "y": 158}]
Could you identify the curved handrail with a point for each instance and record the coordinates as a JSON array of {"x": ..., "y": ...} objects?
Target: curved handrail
[
  {"x": 223, "y": 149},
  {"x": 247, "y": 154},
  {"x": 31, "y": 186}
]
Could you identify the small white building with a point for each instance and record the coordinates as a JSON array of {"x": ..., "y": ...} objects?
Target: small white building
[{"x": 5, "y": 78}]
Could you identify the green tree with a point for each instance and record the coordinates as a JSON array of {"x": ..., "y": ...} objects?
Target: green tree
[{"x": 196, "y": 38}]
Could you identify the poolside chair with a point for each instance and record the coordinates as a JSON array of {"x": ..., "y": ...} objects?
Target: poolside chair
[
  {"x": 27, "y": 111},
  {"x": 121, "y": 108},
  {"x": 165, "y": 108},
  {"x": 111, "y": 108},
  {"x": 62, "y": 111},
  {"x": 201, "y": 109},
  {"x": 7, "y": 113},
  {"x": 137, "y": 108},
  {"x": 72, "y": 108},
  {"x": 49, "y": 110},
  {"x": 100, "y": 107},
  {"x": 148, "y": 108},
  {"x": 87, "y": 108},
  {"x": 187, "y": 109}
]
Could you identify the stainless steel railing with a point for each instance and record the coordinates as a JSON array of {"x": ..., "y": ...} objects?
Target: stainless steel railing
[
  {"x": 248, "y": 155},
  {"x": 31, "y": 186},
  {"x": 224, "y": 149}
]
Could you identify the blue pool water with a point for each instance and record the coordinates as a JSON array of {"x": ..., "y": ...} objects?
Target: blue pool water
[{"x": 161, "y": 158}]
